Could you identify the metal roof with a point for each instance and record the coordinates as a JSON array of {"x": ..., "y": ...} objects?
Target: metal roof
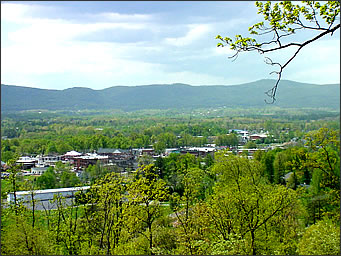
[{"x": 54, "y": 190}]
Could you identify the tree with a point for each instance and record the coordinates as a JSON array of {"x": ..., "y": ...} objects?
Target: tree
[
  {"x": 105, "y": 216},
  {"x": 145, "y": 195},
  {"x": 250, "y": 144},
  {"x": 183, "y": 206},
  {"x": 246, "y": 205},
  {"x": 48, "y": 179},
  {"x": 21, "y": 238},
  {"x": 227, "y": 140},
  {"x": 14, "y": 169},
  {"x": 279, "y": 167},
  {"x": 268, "y": 161},
  {"x": 282, "y": 20},
  {"x": 322, "y": 238},
  {"x": 324, "y": 157}
]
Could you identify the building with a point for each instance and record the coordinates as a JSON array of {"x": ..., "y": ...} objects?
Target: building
[
  {"x": 260, "y": 136},
  {"x": 198, "y": 151},
  {"x": 27, "y": 162},
  {"x": 44, "y": 197},
  {"x": 71, "y": 154},
  {"x": 84, "y": 161},
  {"x": 38, "y": 170},
  {"x": 124, "y": 158},
  {"x": 45, "y": 194},
  {"x": 49, "y": 160},
  {"x": 243, "y": 134}
]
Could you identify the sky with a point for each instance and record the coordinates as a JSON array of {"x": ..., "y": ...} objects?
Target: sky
[{"x": 59, "y": 45}]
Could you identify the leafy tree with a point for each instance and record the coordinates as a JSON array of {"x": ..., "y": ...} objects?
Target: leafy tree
[
  {"x": 227, "y": 140},
  {"x": 325, "y": 157},
  {"x": 250, "y": 144},
  {"x": 65, "y": 226},
  {"x": 13, "y": 170},
  {"x": 145, "y": 195},
  {"x": 249, "y": 207},
  {"x": 48, "y": 179},
  {"x": 21, "y": 238},
  {"x": 183, "y": 206},
  {"x": 279, "y": 166},
  {"x": 297, "y": 164},
  {"x": 283, "y": 20},
  {"x": 322, "y": 238},
  {"x": 105, "y": 216},
  {"x": 145, "y": 160},
  {"x": 68, "y": 179},
  {"x": 268, "y": 162},
  {"x": 6, "y": 155}
]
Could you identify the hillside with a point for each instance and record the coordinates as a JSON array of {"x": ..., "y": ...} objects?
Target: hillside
[{"x": 290, "y": 94}]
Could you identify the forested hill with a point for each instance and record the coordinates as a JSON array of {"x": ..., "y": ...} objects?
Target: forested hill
[{"x": 290, "y": 94}]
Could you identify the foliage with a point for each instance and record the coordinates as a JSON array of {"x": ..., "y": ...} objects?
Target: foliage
[
  {"x": 250, "y": 144},
  {"x": 252, "y": 208},
  {"x": 144, "y": 195},
  {"x": 322, "y": 238},
  {"x": 105, "y": 213},
  {"x": 20, "y": 238}
]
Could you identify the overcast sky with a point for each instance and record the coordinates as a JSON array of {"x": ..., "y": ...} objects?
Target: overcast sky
[{"x": 58, "y": 45}]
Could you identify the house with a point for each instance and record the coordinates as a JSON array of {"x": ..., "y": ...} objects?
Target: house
[
  {"x": 260, "y": 136},
  {"x": 198, "y": 151},
  {"x": 146, "y": 151},
  {"x": 71, "y": 154},
  {"x": 243, "y": 134},
  {"x": 124, "y": 158},
  {"x": 168, "y": 151},
  {"x": 38, "y": 170},
  {"x": 49, "y": 160},
  {"x": 27, "y": 162},
  {"x": 81, "y": 162},
  {"x": 249, "y": 151}
]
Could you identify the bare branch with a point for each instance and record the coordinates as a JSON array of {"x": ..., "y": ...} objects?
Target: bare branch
[{"x": 272, "y": 92}]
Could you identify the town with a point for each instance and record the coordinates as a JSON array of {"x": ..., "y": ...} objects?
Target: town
[{"x": 124, "y": 160}]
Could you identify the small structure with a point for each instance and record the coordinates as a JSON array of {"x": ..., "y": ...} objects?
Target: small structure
[
  {"x": 82, "y": 162},
  {"x": 198, "y": 151},
  {"x": 146, "y": 151},
  {"x": 38, "y": 170},
  {"x": 260, "y": 136},
  {"x": 244, "y": 135},
  {"x": 27, "y": 162},
  {"x": 71, "y": 154},
  {"x": 45, "y": 194},
  {"x": 49, "y": 160}
]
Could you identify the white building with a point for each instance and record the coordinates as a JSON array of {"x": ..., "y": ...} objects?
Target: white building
[{"x": 45, "y": 194}]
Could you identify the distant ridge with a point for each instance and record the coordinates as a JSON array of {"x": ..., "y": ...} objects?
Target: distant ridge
[{"x": 164, "y": 96}]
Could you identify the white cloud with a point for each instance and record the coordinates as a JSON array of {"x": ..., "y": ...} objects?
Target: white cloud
[
  {"x": 14, "y": 12},
  {"x": 50, "y": 46},
  {"x": 52, "y": 31},
  {"x": 119, "y": 17},
  {"x": 195, "y": 33}
]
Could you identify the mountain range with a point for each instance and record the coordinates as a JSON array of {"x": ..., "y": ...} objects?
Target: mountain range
[{"x": 290, "y": 94}]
